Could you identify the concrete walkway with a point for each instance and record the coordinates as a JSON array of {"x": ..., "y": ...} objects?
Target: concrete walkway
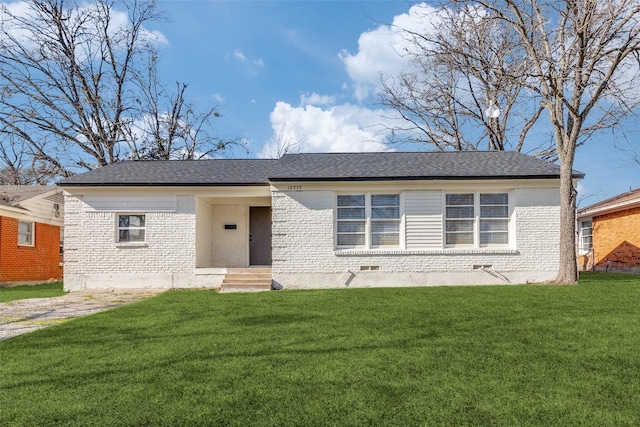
[{"x": 27, "y": 315}]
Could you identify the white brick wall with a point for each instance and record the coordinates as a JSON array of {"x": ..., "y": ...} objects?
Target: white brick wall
[
  {"x": 302, "y": 231},
  {"x": 92, "y": 251},
  {"x": 303, "y": 246}
]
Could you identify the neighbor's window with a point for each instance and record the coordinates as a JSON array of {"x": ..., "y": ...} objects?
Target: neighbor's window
[
  {"x": 586, "y": 235},
  {"x": 368, "y": 220},
  {"x": 477, "y": 219},
  {"x": 130, "y": 228},
  {"x": 25, "y": 233}
]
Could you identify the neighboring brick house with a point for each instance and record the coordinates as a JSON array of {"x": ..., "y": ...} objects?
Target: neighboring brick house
[
  {"x": 315, "y": 220},
  {"x": 609, "y": 234},
  {"x": 31, "y": 221}
]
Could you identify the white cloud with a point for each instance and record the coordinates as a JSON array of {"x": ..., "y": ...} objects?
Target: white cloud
[
  {"x": 380, "y": 51},
  {"x": 250, "y": 66},
  {"x": 316, "y": 99},
  {"x": 119, "y": 20},
  {"x": 20, "y": 9},
  {"x": 237, "y": 54},
  {"x": 218, "y": 98},
  {"x": 343, "y": 128},
  {"x": 319, "y": 125}
]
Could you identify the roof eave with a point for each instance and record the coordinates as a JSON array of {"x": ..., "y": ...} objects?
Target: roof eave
[
  {"x": 413, "y": 178},
  {"x": 609, "y": 208},
  {"x": 15, "y": 208},
  {"x": 164, "y": 184}
]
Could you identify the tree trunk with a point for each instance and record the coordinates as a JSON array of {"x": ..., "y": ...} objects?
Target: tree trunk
[{"x": 568, "y": 272}]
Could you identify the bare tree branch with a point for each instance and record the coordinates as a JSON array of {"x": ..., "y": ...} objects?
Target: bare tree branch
[
  {"x": 457, "y": 69},
  {"x": 77, "y": 82}
]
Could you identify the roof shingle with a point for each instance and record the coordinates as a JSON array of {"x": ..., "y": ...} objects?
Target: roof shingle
[
  {"x": 417, "y": 165},
  {"x": 381, "y": 166},
  {"x": 177, "y": 173}
]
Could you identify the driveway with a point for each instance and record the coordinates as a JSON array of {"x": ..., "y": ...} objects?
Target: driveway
[{"x": 27, "y": 315}]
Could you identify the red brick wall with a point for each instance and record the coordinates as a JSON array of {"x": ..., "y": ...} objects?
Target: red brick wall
[
  {"x": 616, "y": 240},
  {"x": 29, "y": 263}
]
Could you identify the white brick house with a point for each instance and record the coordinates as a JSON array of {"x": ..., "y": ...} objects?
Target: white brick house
[{"x": 317, "y": 220}]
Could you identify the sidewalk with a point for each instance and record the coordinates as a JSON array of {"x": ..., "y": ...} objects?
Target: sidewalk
[{"x": 27, "y": 315}]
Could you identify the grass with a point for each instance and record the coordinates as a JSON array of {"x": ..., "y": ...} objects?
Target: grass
[
  {"x": 490, "y": 355},
  {"x": 45, "y": 290}
]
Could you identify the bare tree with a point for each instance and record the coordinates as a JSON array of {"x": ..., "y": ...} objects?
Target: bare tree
[
  {"x": 169, "y": 127},
  {"x": 66, "y": 70},
  {"x": 585, "y": 70},
  {"x": 579, "y": 59},
  {"x": 283, "y": 142},
  {"x": 78, "y": 86},
  {"x": 18, "y": 166},
  {"x": 460, "y": 68}
]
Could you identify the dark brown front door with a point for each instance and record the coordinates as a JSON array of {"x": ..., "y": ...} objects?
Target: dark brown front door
[{"x": 260, "y": 236}]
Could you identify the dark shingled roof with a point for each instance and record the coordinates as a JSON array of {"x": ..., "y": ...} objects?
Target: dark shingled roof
[
  {"x": 413, "y": 166},
  {"x": 382, "y": 166},
  {"x": 177, "y": 173}
]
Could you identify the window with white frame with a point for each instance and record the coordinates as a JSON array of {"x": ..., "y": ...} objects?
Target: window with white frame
[
  {"x": 25, "y": 233},
  {"x": 460, "y": 218},
  {"x": 586, "y": 235},
  {"x": 352, "y": 219},
  {"x": 477, "y": 219},
  {"x": 385, "y": 220},
  {"x": 131, "y": 228},
  {"x": 368, "y": 220},
  {"x": 494, "y": 219}
]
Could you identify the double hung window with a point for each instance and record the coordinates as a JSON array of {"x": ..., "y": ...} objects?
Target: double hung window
[
  {"x": 352, "y": 220},
  {"x": 25, "y": 233},
  {"x": 385, "y": 220},
  {"x": 586, "y": 236},
  {"x": 460, "y": 219},
  {"x": 494, "y": 219},
  {"x": 131, "y": 228},
  {"x": 368, "y": 220},
  {"x": 477, "y": 219}
]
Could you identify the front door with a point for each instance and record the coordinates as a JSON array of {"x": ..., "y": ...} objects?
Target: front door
[{"x": 259, "y": 236}]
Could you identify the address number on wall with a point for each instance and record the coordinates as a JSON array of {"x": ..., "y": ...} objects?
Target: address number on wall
[{"x": 294, "y": 187}]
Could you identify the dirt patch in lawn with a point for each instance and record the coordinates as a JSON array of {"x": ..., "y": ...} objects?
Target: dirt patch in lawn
[{"x": 27, "y": 315}]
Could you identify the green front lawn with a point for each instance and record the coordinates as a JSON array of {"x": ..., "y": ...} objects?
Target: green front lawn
[
  {"x": 490, "y": 355},
  {"x": 46, "y": 290}
]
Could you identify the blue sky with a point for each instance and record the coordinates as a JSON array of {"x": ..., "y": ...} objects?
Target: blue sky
[{"x": 307, "y": 71}]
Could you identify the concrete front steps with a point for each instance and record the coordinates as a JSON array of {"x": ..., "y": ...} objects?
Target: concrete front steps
[{"x": 247, "y": 280}]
